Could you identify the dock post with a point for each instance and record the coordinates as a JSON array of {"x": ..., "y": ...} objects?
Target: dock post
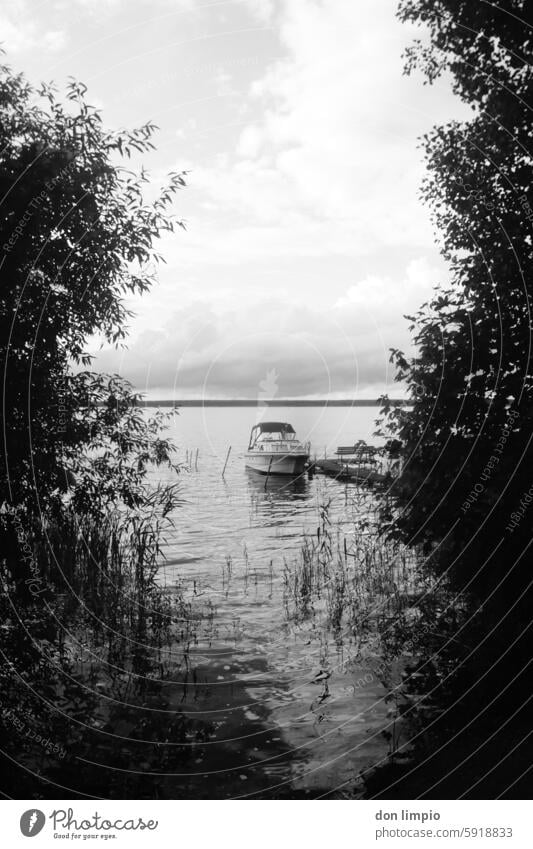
[
  {"x": 268, "y": 473},
  {"x": 226, "y": 463}
]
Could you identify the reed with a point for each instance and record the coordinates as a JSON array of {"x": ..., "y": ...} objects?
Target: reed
[
  {"x": 354, "y": 579},
  {"x": 102, "y": 576},
  {"x": 94, "y": 646}
]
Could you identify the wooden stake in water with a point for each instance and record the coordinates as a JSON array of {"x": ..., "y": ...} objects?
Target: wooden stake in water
[
  {"x": 196, "y": 461},
  {"x": 268, "y": 473},
  {"x": 226, "y": 463}
]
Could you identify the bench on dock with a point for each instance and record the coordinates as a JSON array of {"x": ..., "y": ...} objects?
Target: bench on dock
[{"x": 351, "y": 450}]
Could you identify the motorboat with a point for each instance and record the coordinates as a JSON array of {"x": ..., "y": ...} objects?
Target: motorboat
[{"x": 274, "y": 450}]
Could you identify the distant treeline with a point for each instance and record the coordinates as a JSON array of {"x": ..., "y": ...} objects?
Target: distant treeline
[{"x": 248, "y": 402}]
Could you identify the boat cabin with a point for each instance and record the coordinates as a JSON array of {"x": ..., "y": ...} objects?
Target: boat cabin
[{"x": 268, "y": 432}]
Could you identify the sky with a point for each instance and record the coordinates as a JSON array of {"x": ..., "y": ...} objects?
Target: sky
[{"x": 306, "y": 241}]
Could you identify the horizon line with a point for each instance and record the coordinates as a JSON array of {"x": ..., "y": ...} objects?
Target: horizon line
[{"x": 275, "y": 402}]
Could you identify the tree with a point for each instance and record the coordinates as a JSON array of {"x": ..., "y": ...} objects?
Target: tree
[
  {"x": 77, "y": 236},
  {"x": 467, "y": 439}
]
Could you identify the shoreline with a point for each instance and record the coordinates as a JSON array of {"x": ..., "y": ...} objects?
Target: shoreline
[{"x": 289, "y": 402}]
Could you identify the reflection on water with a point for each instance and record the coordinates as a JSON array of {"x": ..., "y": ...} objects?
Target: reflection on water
[{"x": 285, "y": 487}]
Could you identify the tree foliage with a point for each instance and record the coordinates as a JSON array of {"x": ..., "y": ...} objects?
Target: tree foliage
[
  {"x": 76, "y": 237},
  {"x": 466, "y": 441}
]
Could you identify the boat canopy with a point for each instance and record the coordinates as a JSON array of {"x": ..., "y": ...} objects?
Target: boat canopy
[
  {"x": 271, "y": 427},
  {"x": 275, "y": 427}
]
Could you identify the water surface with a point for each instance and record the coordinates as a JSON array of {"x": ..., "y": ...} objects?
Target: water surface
[{"x": 278, "y": 725}]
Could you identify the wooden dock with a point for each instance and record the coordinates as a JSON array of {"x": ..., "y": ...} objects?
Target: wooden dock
[
  {"x": 357, "y": 463},
  {"x": 347, "y": 472}
]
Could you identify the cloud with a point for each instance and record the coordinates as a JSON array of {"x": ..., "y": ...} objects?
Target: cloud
[
  {"x": 329, "y": 163},
  {"x": 263, "y": 10},
  {"x": 113, "y": 7},
  {"x": 306, "y": 241},
  {"x": 227, "y": 351},
  {"x": 20, "y": 33},
  {"x": 386, "y": 298}
]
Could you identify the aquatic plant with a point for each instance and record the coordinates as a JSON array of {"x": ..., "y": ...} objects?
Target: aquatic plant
[{"x": 353, "y": 578}]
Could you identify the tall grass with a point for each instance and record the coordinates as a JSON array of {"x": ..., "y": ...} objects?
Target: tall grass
[
  {"x": 107, "y": 570},
  {"x": 376, "y": 596},
  {"x": 355, "y": 579},
  {"x": 85, "y": 653}
]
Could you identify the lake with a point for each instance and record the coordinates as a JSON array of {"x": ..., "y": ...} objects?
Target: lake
[{"x": 289, "y": 708}]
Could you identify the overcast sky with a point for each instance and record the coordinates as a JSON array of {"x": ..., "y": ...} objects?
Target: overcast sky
[{"x": 306, "y": 241}]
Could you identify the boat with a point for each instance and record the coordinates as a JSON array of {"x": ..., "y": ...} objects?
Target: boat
[{"x": 274, "y": 450}]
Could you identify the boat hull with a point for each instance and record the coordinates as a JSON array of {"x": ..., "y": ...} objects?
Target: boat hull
[{"x": 276, "y": 464}]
